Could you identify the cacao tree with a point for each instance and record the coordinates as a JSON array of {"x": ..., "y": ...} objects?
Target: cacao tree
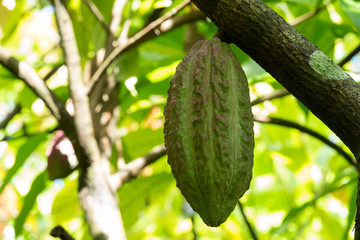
[{"x": 83, "y": 90}]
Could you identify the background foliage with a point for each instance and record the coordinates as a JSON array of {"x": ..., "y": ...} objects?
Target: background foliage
[{"x": 301, "y": 189}]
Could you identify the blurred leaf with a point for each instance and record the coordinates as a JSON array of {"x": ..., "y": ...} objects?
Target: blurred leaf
[
  {"x": 305, "y": 110},
  {"x": 89, "y": 33},
  {"x": 128, "y": 65},
  {"x": 137, "y": 194},
  {"x": 62, "y": 92},
  {"x": 352, "y": 8},
  {"x": 12, "y": 21},
  {"x": 139, "y": 143},
  {"x": 26, "y": 97},
  {"x": 66, "y": 205},
  {"x": 37, "y": 186},
  {"x": 352, "y": 212},
  {"x": 295, "y": 211},
  {"x": 22, "y": 154},
  {"x": 147, "y": 92},
  {"x": 330, "y": 231},
  {"x": 162, "y": 73}
]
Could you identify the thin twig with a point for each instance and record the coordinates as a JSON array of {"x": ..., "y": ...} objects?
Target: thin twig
[
  {"x": 97, "y": 14},
  {"x": 26, "y": 134},
  {"x": 273, "y": 95},
  {"x": 25, "y": 72},
  {"x": 309, "y": 15},
  {"x": 52, "y": 72},
  {"x": 350, "y": 56},
  {"x": 116, "y": 17},
  {"x": 193, "y": 230},
  {"x": 286, "y": 123},
  {"x": 132, "y": 41},
  {"x": 61, "y": 233},
  {"x": 251, "y": 229},
  {"x": 10, "y": 116},
  {"x": 133, "y": 168}
]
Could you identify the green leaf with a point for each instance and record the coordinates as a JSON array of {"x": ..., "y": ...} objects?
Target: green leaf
[
  {"x": 66, "y": 204},
  {"x": 305, "y": 110},
  {"x": 23, "y": 153},
  {"x": 352, "y": 212},
  {"x": 37, "y": 186},
  {"x": 12, "y": 21},
  {"x": 289, "y": 218},
  {"x": 352, "y": 8},
  {"x": 139, "y": 143},
  {"x": 137, "y": 194}
]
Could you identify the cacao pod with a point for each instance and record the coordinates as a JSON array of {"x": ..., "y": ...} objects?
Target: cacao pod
[
  {"x": 58, "y": 159},
  {"x": 209, "y": 130}
]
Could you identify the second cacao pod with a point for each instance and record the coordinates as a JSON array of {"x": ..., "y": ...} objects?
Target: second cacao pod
[{"x": 209, "y": 130}]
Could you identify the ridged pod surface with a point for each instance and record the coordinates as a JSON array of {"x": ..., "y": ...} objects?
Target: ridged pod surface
[{"x": 209, "y": 130}]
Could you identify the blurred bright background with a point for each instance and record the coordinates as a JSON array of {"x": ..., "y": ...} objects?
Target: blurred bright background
[{"x": 301, "y": 187}]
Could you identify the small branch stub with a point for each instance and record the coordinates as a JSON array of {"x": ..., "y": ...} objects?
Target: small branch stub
[{"x": 61, "y": 233}]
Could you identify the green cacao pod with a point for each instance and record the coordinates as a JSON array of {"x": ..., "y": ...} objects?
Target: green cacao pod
[{"x": 209, "y": 130}]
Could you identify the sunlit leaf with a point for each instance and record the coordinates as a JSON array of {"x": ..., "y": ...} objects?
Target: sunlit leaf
[
  {"x": 66, "y": 205},
  {"x": 23, "y": 153},
  {"x": 139, "y": 193},
  {"x": 37, "y": 186},
  {"x": 352, "y": 8}
]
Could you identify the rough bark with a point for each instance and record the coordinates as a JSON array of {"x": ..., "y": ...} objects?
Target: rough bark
[
  {"x": 290, "y": 58},
  {"x": 97, "y": 198}
]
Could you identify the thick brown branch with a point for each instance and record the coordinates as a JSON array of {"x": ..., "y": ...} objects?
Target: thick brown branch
[
  {"x": 286, "y": 123},
  {"x": 292, "y": 60},
  {"x": 283, "y": 93}
]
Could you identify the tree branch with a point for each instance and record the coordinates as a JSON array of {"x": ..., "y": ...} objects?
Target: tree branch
[
  {"x": 304, "y": 129},
  {"x": 97, "y": 14},
  {"x": 322, "y": 86},
  {"x": 116, "y": 17},
  {"x": 10, "y": 116},
  {"x": 142, "y": 36},
  {"x": 283, "y": 93},
  {"x": 350, "y": 56},
  {"x": 251, "y": 229},
  {"x": 96, "y": 197},
  {"x": 52, "y": 72},
  {"x": 26, "y": 73},
  {"x": 82, "y": 116},
  {"x": 270, "y": 96},
  {"x": 309, "y": 15},
  {"x": 61, "y": 233},
  {"x": 133, "y": 168}
]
